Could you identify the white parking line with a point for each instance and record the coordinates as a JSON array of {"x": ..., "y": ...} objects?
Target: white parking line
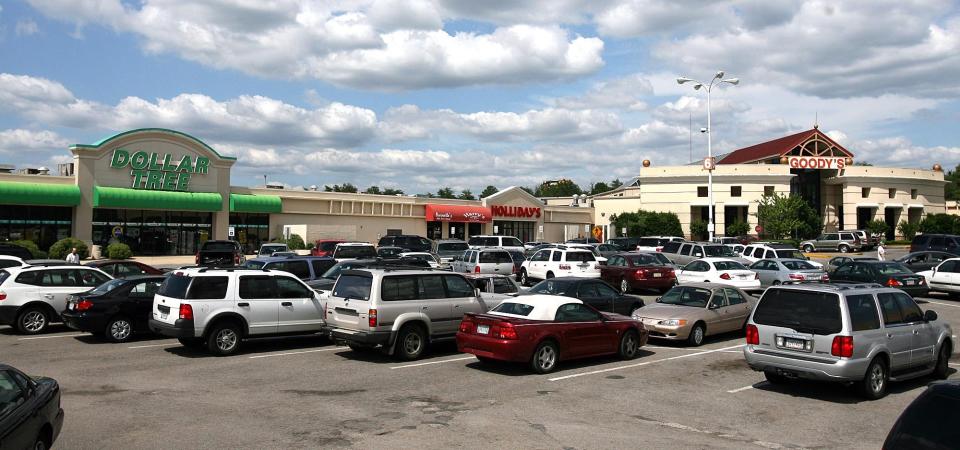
[
  {"x": 298, "y": 353},
  {"x": 611, "y": 369},
  {"x": 734, "y": 391},
  {"x": 154, "y": 345},
  {"x": 944, "y": 304},
  {"x": 433, "y": 362},
  {"x": 51, "y": 337}
]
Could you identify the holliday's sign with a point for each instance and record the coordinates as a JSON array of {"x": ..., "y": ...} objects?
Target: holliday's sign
[
  {"x": 157, "y": 171},
  {"x": 515, "y": 211},
  {"x": 816, "y": 162}
]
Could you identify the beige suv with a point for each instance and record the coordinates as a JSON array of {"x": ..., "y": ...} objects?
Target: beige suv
[{"x": 399, "y": 311}]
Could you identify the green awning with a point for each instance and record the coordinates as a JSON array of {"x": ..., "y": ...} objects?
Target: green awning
[
  {"x": 111, "y": 197},
  {"x": 15, "y": 193},
  {"x": 250, "y": 203}
]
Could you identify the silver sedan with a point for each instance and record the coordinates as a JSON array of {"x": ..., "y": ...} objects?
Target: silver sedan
[{"x": 779, "y": 270}]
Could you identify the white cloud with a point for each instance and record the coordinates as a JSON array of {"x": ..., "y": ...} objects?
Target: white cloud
[
  {"x": 901, "y": 152},
  {"x": 26, "y": 27},
  {"x": 620, "y": 93},
  {"x": 386, "y": 45},
  {"x": 18, "y": 141}
]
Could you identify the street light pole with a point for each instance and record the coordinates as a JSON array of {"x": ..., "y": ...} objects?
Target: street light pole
[{"x": 716, "y": 81}]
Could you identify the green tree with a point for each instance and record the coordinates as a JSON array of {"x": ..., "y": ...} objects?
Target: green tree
[
  {"x": 392, "y": 191},
  {"x": 373, "y": 190},
  {"x": 698, "y": 230},
  {"x": 784, "y": 216},
  {"x": 940, "y": 224},
  {"x": 738, "y": 228},
  {"x": 647, "y": 223},
  {"x": 61, "y": 248},
  {"x": 559, "y": 188},
  {"x": 908, "y": 230},
  {"x": 599, "y": 187},
  {"x": 32, "y": 248},
  {"x": 345, "y": 187},
  {"x": 488, "y": 191},
  {"x": 877, "y": 228},
  {"x": 952, "y": 190},
  {"x": 295, "y": 242},
  {"x": 615, "y": 183},
  {"x": 466, "y": 195},
  {"x": 446, "y": 192}
]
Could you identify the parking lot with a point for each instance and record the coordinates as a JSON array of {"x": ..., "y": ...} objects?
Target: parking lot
[{"x": 307, "y": 392}]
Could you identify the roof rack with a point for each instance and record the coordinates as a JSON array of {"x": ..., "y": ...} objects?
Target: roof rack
[
  {"x": 230, "y": 269},
  {"x": 838, "y": 285}
]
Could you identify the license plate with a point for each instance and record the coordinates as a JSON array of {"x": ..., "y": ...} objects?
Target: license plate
[
  {"x": 794, "y": 344},
  {"x": 910, "y": 283},
  {"x": 743, "y": 277},
  {"x": 657, "y": 274},
  {"x": 71, "y": 306},
  {"x": 483, "y": 329},
  {"x": 163, "y": 316}
]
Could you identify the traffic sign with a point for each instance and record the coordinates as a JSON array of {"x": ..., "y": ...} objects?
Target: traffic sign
[
  {"x": 117, "y": 231},
  {"x": 759, "y": 229}
]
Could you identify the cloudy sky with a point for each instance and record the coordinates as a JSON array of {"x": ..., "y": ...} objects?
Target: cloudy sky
[{"x": 418, "y": 94}]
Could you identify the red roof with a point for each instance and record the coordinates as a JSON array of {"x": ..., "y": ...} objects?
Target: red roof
[{"x": 776, "y": 147}]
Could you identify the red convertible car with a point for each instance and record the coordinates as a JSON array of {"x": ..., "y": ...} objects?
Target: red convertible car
[{"x": 544, "y": 329}]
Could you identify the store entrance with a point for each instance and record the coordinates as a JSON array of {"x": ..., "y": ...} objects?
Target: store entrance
[{"x": 152, "y": 233}]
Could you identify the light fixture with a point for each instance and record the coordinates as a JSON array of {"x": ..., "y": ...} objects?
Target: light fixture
[
  {"x": 682, "y": 80},
  {"x": 697, "y": 86},
  {"x": 719, "y": 74},
  {"x": 733, "y": 81}
]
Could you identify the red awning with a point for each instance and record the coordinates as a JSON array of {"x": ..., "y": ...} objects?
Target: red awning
[{"x": 458, "y": 213}]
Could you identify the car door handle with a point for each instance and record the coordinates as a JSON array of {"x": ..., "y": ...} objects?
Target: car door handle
[
  {"x": 456, "y": 306},
  {"x": 424, "y": 307},
  {"x": 243, "y": 305},
  {"x": 48, "y": 296},
  {"x": 286, "y": 304},
  {"x": 889, "y": 336},
  {"x": 916, "y": 332}
]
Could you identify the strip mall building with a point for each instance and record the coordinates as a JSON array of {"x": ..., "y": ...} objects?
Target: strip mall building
[{"x": 164, "y": 192}]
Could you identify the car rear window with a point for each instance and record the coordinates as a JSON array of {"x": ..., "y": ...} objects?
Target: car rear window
[
  {"x": 356, "y": 251},
  {"x": 495, "y": 258},
  {"x": 648, "y": 242},
  {"x": 219, "y": 246},
  {"x": 3, "y": 276},
  {"x": 355, "y": 287},
  {"x": 892, "y": 268},
  {"x": 452, "y": 247},
  {"x": 175, "y": 286},
  {"x": 580, "y": 257},
  {"x": 517, "y": 309},
  {"x": 328, "y": 246},
  {"x": 643, "y": 260},
  {"x": 729, "y": 265},
  {"x": 804, "y": 311}
]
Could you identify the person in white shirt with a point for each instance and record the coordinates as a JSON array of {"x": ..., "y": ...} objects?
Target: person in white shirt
[
  {"x": 73, "y": 257},
  {"x": 881, "y": 252}
]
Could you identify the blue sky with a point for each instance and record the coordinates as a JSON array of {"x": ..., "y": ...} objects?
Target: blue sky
[{"x": 419, "y": 94}]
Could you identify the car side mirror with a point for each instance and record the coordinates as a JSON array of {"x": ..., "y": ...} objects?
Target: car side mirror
[
  {"x": 476, "y": 292},
  {"x": 658, "y": 300},
  {"x": 929, "y": 315},
  {"x": 714, "y": 306}
]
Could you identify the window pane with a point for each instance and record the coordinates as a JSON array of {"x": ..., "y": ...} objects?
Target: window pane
[
  {"x": 208, "y": 288},
  {"x": 398, "y": 288},
  {"x": 890, "y": 308},
  {"x": 260, "y": 286},
  {"x": 815, "y": 312},
  {"x": 290, "y": 288},
  {"x": 863, "y": 312},
  {"x": 431, "y": 287},
  {"x": 353, "y": 287},
  {"x": 457, "y": 287},
  {"x": 503, "y": 286},
  {"x": 911, "y": 312}
]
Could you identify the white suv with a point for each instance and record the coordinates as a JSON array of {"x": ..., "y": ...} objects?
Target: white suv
[
  {"x": 559, "y": 262},
  {"x": 31, "y": 297},
  {"x": 505, "y": 242},
  {"x": 217, "y": 308}
]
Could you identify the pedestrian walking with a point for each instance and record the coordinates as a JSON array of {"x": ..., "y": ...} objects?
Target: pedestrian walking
[
  {"x": 881, "y": 252},
  {"x": 73, "y": 257}
]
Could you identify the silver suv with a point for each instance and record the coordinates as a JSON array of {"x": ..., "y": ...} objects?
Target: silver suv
[
  {"x": 861, "y": 333},
  {"x": 843, "y": 242},
  {"x": 399, "y": 311},
  {"x": 484, "y": 260},
  {"x": 218, "y": 308}
]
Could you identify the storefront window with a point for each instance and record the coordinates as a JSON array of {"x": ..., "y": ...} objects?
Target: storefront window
[
  {"x": 44, "y": 225},
  {"x": 520, "y": 230},
  {"x": 152, "y": 232},
  {"x": 434, "y": 230},
  {"x": 250, "y": 230}
]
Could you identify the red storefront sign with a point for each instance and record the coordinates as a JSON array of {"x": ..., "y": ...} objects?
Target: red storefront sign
[
  {"x": 816, "y": 162},
  {"x": 458, "y": 213},
  {"x": 515, "y": 211}
]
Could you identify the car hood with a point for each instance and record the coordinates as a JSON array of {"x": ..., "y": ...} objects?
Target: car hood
[{"x": 661, "y": 311}]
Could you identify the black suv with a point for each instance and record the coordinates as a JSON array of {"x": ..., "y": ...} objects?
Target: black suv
[
  {"x": 627, "y": 244},
  {"x": 409, "y": 242},
  {"x": 948, "y": 243},
  {"x": 922, "y": 424},
  {"x": 15, "y": 250}
]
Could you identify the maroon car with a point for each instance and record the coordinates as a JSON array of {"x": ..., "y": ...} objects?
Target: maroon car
[
  {"x": 325, "y": 247},
  {"x": 125, "y": 268},
  {"x": 542, "y": 330},
  {"x": 635, "y": 271}
]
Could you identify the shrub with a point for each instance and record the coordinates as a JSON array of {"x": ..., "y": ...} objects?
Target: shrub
[
  {"x": 309, "y": 246},
  {"x": 738, "y": 228},
  {"x": 119, "y": 251},
  {"x": 877, "y": 228},
  {"x": 32, "y": 248},
  {"x": 647, "y": 223},
  {"x": 698, "y": 230},
  {"x": 61, "y": 248},
  {"x": 295, "y": 242},
  {"x": 908, "y": 230},
  {"x": 940, "y": 224}
]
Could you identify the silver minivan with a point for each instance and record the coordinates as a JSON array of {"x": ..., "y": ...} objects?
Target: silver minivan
[
  {"x": 484, "y": 260},
  {"x": 865, "y": 334},
  {"x": 692, "y": 251}
]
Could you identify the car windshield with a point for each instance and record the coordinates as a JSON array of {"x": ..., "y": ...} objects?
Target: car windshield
[
  {"x": 355, "y": 251},
  {"x": 892, "y": 268},
  {"x": 798, "y": 265},
  {"x": 452, "y": 246},
  {"x": 255, "y": 264},
  {"x": 549, "y": 287},
  {"x": 517, "y": 309},
  {"x": 355, "y": 287},
  {"x": 729, "y": 265},
  {"x": 804, "y": 311},
  {"x": 334, "y": 272},
  {"x": 107, "y": 287},
  {"x": 718, "y": 250},
  {"x": 686, "y": 296},
  {"x": 790, "y": 253}
]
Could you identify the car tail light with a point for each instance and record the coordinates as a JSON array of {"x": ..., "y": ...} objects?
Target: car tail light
[
  {"x": 893, "y": 283},
  {"x": 724, "y": 276},
  {"x": 796, "y": 276},
  {"x": 842, "y": 346},
  {"x": 476, "y": 269},
  {"x": 753, "y": 335},
  {"x": 3, "y": 295},
  {"x": 923, "y": 281},
  {"x": 825, "y": 277},
  {"x": 372, "y": 318},
  {"x": 513, "y": 269},
  {"x": 186, "y": 311},
  {"x": 466, "y": 325},
  {"x": 641, "y": 274},
  {"x": 196, "y": 258},
  {"x": 506, "y": 331},
  {"x": 756, "y": 275},
  {"x": 564, "y": 266},
  {"x": 84, "y": 305},
  {"x": 236, "y": 259},
  {"x": 659, "y": 249}
]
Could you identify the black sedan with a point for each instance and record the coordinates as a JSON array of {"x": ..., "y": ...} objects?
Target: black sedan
[
  {"x": 920, "y": 261},
  {"x": 887, "y": 273},
  {"x": 30, "y": 412},
  {"x": 924, "y": 424},
  {"x": 124, "y": 268},
  {"x": 593, "y": 292},
  {"x": 116, "y": 309}
]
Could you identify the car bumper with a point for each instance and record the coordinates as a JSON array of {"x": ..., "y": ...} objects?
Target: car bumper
[
  {"x": 180, "y": 329},
  {"x": 499, "y": 349},
  {"x": 365, "y": 339},
  {"x": 653, "y": 283},
  {"x": 920, "y": 291},
  {"x": 83, "y": 321},
  {"x": 579, "y": 274},
  {"x": 8, "y": 314},
  {"x": 678, "y": 333},
  {"x": 57, "y": 426},
  {"x": 839, "y": 370}
]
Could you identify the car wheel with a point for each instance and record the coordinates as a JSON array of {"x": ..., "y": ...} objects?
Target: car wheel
[
  {"x": 118, "y": 329},
  {"x": 545, "y": 357},
  {"x": 697, "y": 334},
  {"x": 874, "y": 384},
  {"x": 411, "y": 343},
  {"x": 524, "y": 281},
  {"x": 629, "y": 345},
  {"x": 624, "y": 286},
  {"x": 41, "y": 442},
  {"x": 194, "y": 343},
  {"x": 224, "y": 339},
  {"x": 776, "y": 282},
  {"x": 33, "y": 320},
  {"x": 775, "y": 378},
  {"x": 808, "y": 248},
  {"x": 942, "y": 369},
  {"x": 843, "y": 249},
  {"x": 549, "y": 275}
]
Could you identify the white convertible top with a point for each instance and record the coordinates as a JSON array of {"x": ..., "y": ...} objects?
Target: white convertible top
[{"x": 544, "y": 306}]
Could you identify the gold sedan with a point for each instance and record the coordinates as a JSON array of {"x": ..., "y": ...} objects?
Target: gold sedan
[{"x": 694, "y": 311}]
